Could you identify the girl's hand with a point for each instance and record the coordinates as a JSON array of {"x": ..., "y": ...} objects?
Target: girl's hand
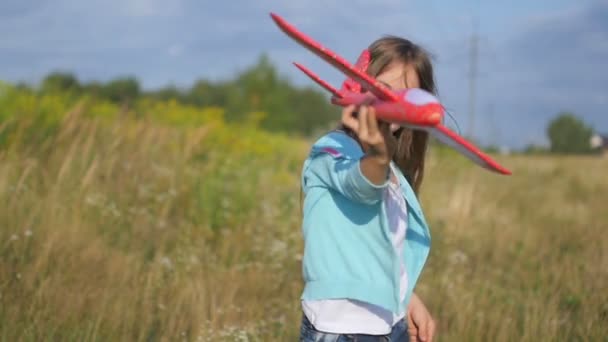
[
  {"x": 365, "y": 126},
  {"x": 420, "y": 324}
]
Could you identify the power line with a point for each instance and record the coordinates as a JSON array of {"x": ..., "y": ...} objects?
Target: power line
[{"x": 473, "y": 78}]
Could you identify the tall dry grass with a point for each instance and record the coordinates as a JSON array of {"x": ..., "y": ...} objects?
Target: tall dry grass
[
  {"x": 136, "y": 231},
  {"x": 130, "y": 230},
  {"x": 523, "y": 257}
]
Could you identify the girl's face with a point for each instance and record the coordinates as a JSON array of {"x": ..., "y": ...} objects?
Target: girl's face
[{"x": 398, "y": 76}]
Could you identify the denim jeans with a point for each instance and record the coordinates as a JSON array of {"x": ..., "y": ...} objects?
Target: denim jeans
[{"x": 308, "y": 333}]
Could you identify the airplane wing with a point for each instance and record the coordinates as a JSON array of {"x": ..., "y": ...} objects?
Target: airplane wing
[
  {"x": 450, "y": 138},
  {"x": 441, "y": 132},
  {"x": 428, "y": 115},
  {"x": 368, "y": 82}
]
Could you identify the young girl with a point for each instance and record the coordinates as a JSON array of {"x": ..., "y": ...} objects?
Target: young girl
[{"x": 366, "y": 238}]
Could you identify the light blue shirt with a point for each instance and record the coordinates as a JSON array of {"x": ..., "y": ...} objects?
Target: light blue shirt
[{"x": 348, "y": 251}]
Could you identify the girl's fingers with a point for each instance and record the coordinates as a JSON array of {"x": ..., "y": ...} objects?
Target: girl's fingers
[
  {"x": 431, "y": 329},
  {"x": 372, "y": 122},
  {"x": 349, "y": 120},
  {"x": 411, "y": 329},
  {"x": 363, "y": 132}
]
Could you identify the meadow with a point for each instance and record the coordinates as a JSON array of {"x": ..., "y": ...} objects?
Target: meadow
[{"x": 162, "y": 222}]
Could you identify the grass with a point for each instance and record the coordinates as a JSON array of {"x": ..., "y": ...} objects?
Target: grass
[{"x": 131, "y": 230}]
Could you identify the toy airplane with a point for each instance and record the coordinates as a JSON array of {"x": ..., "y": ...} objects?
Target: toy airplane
[{"x": 413, "y": 108}]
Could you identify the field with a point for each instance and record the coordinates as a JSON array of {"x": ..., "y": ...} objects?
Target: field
[{"x": 180, "y": 227}]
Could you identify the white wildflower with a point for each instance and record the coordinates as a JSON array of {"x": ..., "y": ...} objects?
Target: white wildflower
[
  {"x": 458, "y": 257},
  {"x": 113, "y": 209},
  {"x": 166, "y": 261},
  {"x": 278, "y": 247}
]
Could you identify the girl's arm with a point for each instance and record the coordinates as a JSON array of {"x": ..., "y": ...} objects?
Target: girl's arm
[
  {"x": 360, "y": 179},
  {"x": 375, "y": 164},
  {"x": 420, "y": 323},
  {"x": 346, "y": 176}
]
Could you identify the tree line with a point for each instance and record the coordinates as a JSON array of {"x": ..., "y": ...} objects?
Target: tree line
[
  {"x": 278, "y": 105},
  {"x": 567, "y": 133},
  {"x": 258, "y": 90}
]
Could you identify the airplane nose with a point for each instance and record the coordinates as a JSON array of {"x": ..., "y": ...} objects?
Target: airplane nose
[{"x": 435, "y": 118}]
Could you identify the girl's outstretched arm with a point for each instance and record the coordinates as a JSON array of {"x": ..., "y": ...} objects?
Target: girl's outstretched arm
[
  {"x": 375, "y": 164},
  {"x": 337, "y": 162},
  {"x": 344, "y": 175}
]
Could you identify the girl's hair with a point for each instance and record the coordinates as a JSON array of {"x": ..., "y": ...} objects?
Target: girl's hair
[{"x": 411, "y": 144}]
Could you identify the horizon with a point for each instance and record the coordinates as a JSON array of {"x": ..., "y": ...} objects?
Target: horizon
[{"x": 533, "y": 60}]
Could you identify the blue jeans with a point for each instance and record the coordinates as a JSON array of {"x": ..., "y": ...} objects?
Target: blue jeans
[{"x": 308, "y": 333}]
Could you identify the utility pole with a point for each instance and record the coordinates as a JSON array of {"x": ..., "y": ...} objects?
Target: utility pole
[{"x": 472, "y": 79}]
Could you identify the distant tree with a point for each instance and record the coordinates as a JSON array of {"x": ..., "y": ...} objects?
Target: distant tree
[
  {"x": 568, "y": 134},
  {"x": 167, "y": 93},
  {"x": 93, "y": 88},
  {"x": 261, "y": 89},
  {"x": 289, "y": 108},
  {"x": 122, "y": 89},
  {"x": 534, "y": 149},
  {"x": 492, "y": 149},
  {"x": 205, "y": 93},
  {"x": 60, "y": 81},
  {"x": 257, "y": 89},
  {"x": 313, "y": 111},
  {"x": 24, "y": 87}
]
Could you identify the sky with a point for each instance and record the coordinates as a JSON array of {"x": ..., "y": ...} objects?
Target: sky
[{"x": 535, "y": 58}]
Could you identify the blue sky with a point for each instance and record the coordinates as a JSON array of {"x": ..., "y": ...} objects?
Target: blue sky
[{"x": 536, "y": 58}]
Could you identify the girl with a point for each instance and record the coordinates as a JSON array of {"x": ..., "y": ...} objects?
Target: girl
[{"x": 366, "y": 238}]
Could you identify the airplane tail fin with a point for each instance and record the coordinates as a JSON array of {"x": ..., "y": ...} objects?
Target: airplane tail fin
[{"x": 318, "y": 80}]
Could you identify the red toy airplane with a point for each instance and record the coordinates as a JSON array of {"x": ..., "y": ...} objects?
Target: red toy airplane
[{"x": 413, "y": 108}]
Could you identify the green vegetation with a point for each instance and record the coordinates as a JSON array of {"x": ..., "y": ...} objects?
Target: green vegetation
[
  {"x": 162, "y": 221},
  {"x": 568, "y": 134},
  {"x": 257, "y": 89}
]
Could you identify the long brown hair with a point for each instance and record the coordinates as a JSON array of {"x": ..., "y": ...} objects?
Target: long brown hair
[{"x": 411, "y": 144}]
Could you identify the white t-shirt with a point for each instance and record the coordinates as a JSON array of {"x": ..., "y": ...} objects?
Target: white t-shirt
[{"x": 347, "y": 316}]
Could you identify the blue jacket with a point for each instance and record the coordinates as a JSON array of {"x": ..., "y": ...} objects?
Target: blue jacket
[{"x": 347, "y": 250}]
